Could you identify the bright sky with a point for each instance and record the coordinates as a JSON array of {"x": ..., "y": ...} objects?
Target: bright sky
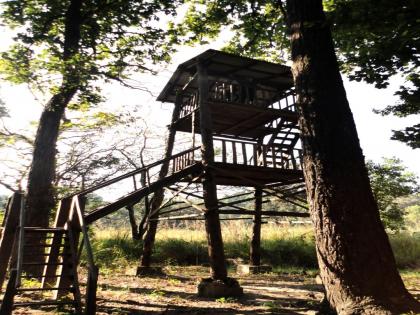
[{"x": 374, "y": 130}]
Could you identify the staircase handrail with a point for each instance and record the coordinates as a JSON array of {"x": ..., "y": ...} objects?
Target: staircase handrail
[
  {"x": 92, "y": 278},
  {"x": 129, "y": 174}
]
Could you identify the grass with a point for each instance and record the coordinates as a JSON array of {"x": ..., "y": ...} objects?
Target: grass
[{"x": 282, "y": 247}]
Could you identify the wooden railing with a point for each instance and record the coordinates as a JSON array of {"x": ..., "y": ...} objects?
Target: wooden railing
[
  {"x": 184, "y": 159},
  {"x": 76, "y": 220},
  {"x": 189, "y": 104},
  {"x": 149, "y": 172},
  {"x": 134, "y": 181},
  {"x": 230, "y": 92},
  {"x": 248, "y": 153}
]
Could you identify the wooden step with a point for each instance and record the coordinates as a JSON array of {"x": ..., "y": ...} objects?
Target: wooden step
[
  {"x": 44, "y": 303},
  {"x": 46, "y": 264},
  {"x": 45, "y": 289},
  {"x": 44, "y": 245},
  {"x": 45, "y": 230},
  {"x": 49, "y": 276}
]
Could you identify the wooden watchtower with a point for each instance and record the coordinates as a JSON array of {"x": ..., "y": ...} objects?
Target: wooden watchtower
[
  {"x": 241, "y": 117},
  {"x": 243, "y": 112}
]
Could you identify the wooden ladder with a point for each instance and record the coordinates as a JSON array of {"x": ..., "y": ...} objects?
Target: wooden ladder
[
  {"x": 49, "y": 254},
  {"x": 30, "y": 294}
]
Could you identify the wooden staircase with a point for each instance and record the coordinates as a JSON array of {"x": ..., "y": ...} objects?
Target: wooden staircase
[
  {"x": 50, "y": 254},
  {"x": 57, "y": 258},
  {"x": 32, "y": 293}
]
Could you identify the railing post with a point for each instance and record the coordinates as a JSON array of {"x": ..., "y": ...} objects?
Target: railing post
[
  {"x": 91, "y": 287},
  {"x": 235, "y": 159},
  {"x": 244, "y": 153},
  {"x": 9, "y": 234}
]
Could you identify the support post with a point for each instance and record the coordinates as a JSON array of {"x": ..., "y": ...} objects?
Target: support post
[
  {"x": 157, "y": 199},
  {"x": 255, "y": 249},
  {"x": 212, "y": 222},
  {"x": 9, "y": 232}
]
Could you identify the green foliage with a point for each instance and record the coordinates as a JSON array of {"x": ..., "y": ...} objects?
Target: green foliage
[
  {"x": 117, "y": 38},
  {"x": 374, "y": 39},
  {"x": 412, "y": 217},
  {"x": 258, "y": 26},
  {"x": 291, "y": 251},
  {"x": 389, "y": 181},
  {"x": 406, "y": 248},
  {"x": 375, "y": 44}
]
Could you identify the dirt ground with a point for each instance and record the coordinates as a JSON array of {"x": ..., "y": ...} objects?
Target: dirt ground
[{"x": 175, "y": 293}]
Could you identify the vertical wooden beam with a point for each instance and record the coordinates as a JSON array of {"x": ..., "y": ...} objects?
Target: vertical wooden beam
[
  {"x": 212, "y": 222},
  {"x": 244, "y": 153},
  {"x": 234, "y": 157},
  {"x": 149, "y": 239},
  {"x": 255, "y": 249},
  {"x": 8, "y": 236},
  {"x": 6, "y": 307}
]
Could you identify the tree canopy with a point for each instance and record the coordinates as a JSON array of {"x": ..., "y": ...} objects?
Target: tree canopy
[
  {"x": 391, "y": 180},
  {"x": 65, "y": 49},
  {"x": 372, "y": 44},
  {"x": 117, "y": 38}
]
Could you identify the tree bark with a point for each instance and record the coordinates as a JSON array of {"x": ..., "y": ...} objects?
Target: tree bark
[
  {"x": 255, "y": 249},
  {"x": 133, "y": 224},
  {"x": 356, "y": 262},
  {"x": 212, "y": 222},
  {"x": 156, "y": 202},
  {"x": 40, "y": 191}
]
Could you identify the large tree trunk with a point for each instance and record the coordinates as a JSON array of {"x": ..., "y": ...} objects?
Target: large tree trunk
[
  {"x": 356, "y": 262},
  {"x": 40, "y": 191}
]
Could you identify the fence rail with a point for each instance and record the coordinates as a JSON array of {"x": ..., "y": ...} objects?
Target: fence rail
[
  {"x": 253, "y": 154},
  {"x": 230, "y": 92}
]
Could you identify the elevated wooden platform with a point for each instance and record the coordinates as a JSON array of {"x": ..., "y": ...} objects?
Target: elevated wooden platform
[{"x": 252, "y": 176}]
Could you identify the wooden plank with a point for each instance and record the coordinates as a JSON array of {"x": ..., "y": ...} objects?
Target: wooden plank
[
  {"x": 8, "y": 235},
  {"x": 267, "y": 213}
]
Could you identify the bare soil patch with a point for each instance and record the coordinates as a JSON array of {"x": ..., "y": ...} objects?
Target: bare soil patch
[{"x": 121, "y": 292}]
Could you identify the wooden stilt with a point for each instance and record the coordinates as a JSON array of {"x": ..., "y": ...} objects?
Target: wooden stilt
[
  {"x": 212, "y": 223},
  {"x": 255, "y": 249}
]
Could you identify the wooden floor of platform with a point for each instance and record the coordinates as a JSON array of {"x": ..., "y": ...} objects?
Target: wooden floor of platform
[
  {"x": 246, "y": 175},
  {"x": 250, "y": 176}
]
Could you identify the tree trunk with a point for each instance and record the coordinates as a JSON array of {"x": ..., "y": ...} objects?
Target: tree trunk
[
  {"x": 356, "y": 262},
  {"x": 133, "y": 224},
  {"x": 255, "y": 250},
  {"x": 212, "y": 222},
  {"x": 40, "y": 199},
  {"x": 156, "y": 202},
  {"x": 40, "y": 191}
]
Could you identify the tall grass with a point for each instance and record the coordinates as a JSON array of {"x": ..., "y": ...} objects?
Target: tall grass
[{"x": 280, "y": 246}]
